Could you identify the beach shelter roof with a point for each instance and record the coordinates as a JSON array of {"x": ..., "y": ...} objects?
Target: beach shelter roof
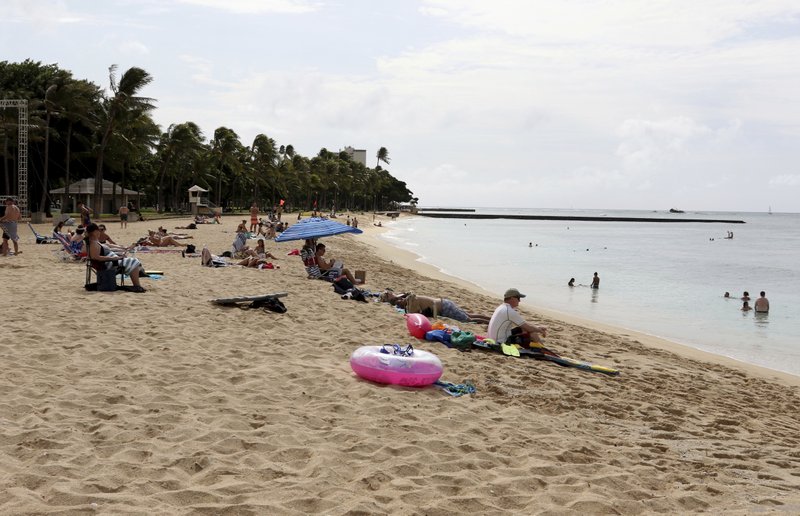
[
  {"x": 196, "y": 188},
  {"x": 86, "y": 187},
  {"x": 315, "y": 228}
]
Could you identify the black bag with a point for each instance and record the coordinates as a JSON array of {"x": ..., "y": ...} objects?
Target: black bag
[
  {"x": 107, "y": 280},
  {"x": 190, "y": 248},
  {"x": 342, "y": 285},
  {"x": 273, "y": 304}
]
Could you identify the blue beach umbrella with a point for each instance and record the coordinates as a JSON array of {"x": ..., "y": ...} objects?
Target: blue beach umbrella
[{"x": 315, "y": 228}]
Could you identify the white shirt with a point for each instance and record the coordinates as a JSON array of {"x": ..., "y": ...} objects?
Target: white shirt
[{"x": 504, "y": 319}]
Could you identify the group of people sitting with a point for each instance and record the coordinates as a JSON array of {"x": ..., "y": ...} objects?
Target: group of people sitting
[{"x": 268, "y": 229}]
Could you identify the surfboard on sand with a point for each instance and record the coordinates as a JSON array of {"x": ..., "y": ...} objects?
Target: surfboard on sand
[
  {"x": 551, "y": 356},
  {"x": 247, "y": 299}
]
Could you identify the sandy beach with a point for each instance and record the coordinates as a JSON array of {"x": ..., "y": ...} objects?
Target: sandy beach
[{"x": 163, "y": 403}]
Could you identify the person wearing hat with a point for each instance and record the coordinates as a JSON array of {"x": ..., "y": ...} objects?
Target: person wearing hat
[{"x": 508, "y": 327}]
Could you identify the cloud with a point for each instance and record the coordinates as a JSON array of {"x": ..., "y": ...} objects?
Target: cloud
[
  {"x": 785, "y": 180},
  {"x": 257, "y": 6},
  {"x": 45, "y": 13},
  {"x": 645, "y": 142},
  {"x": 134, "y": 47},
  {"x": 617, "y": 22},
  {"x": 432, "y": 11}
]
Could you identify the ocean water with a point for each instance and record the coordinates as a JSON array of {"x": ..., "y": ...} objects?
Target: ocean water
[{"x": 666, "y": 280}]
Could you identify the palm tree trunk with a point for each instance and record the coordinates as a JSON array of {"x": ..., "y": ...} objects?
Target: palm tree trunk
[
  {"x": 98, "y": 175},
  {"x": 219, "y": 188},
  {"x": 65, "y": 200},
  {"x": 5, "y": 166},
  {"x": 161, "y": 184},
  {"x": 42, "y": 206},
  {"x": 126, "y": 168}
]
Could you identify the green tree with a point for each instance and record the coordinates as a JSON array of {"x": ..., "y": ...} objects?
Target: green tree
[
  {"x": 76, "y": 100},
  {"x": 225, "y": 152},
  {"x": 264, "y": 160},
  {"x": 382, "y": 155},
  {"x": 181, "y": 143},
  {"x": 124, "y": 99}
]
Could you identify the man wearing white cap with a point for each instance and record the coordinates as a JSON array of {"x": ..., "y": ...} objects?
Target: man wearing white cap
[{"x": 507, "y": 325}]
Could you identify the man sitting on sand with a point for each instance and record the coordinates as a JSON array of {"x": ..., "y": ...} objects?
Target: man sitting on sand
[
  {"x": 431, "y": 307},
  {"x": 507, "y": 325}
]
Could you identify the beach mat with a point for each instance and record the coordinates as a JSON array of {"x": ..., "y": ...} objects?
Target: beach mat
[
  {"x": 547, "y": 355},
  {"x": 228, "y": 301}
]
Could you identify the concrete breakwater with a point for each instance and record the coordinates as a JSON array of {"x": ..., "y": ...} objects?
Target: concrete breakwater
[{"x": 461, "y": 215}]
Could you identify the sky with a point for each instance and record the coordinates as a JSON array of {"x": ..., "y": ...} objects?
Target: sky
[{"x": 510, "y": 103}]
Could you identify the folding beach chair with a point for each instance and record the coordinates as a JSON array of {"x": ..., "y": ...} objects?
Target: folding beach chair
[
  {"x": 106, "y": 273},
  {"x": 73, "y": 251},
  {"x": 239, "y": 244},
  {"x": 41, "y": 239}
]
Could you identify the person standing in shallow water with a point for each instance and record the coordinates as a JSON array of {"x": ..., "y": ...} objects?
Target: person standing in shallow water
[
  {"x": 596, "y": 281},
  {"x": 571, "y": 282},
  {"x": 762, "y": 303}
]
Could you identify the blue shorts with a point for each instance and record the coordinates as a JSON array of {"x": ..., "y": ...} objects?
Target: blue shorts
[{"x": 452, "y": 311}]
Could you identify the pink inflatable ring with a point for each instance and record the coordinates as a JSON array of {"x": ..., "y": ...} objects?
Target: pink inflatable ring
[{"x": 380, "y": 364}]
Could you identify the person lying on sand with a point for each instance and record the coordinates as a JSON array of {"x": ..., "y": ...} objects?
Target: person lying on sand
[
  {"x": 260, "y": 251},
  {"x": 162, "y": 231},
  {"x": 431, "y": 307},
  {"x": 255, "y": 262},
  {"x": 156, "y": 240}
]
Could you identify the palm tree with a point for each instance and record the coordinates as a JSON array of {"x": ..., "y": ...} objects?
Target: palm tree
[
  {"x": 124, "y": 99},
  {"x": 76, "y": 105},
  {"x": 136, "y": 137},
  {"x": 182, "y": 142},
  {"x": 264, "y": 159},
  {"x": 224, "y": 149},
  {"x": 383, "y": 155}
]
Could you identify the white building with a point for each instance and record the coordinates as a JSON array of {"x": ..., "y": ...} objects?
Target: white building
[{"x": 357, "y": 155}]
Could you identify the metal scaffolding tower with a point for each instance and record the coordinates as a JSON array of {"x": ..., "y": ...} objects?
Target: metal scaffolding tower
[{"x": 22, "y": 152}]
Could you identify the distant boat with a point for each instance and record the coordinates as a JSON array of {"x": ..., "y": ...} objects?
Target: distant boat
[{"x": 673, "y": 210}]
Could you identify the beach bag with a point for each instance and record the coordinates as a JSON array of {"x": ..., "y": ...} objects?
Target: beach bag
[
  {"x": 355, "y": 294},
  {"x": 191, "y": 249},
  {"x": 438, "y": 335},
  {"x": 462, "y": 340},
  {"x": 107, "y": 279},
  {"x": 342, "y": 285},
  {"x": 273, "y": 304}
]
